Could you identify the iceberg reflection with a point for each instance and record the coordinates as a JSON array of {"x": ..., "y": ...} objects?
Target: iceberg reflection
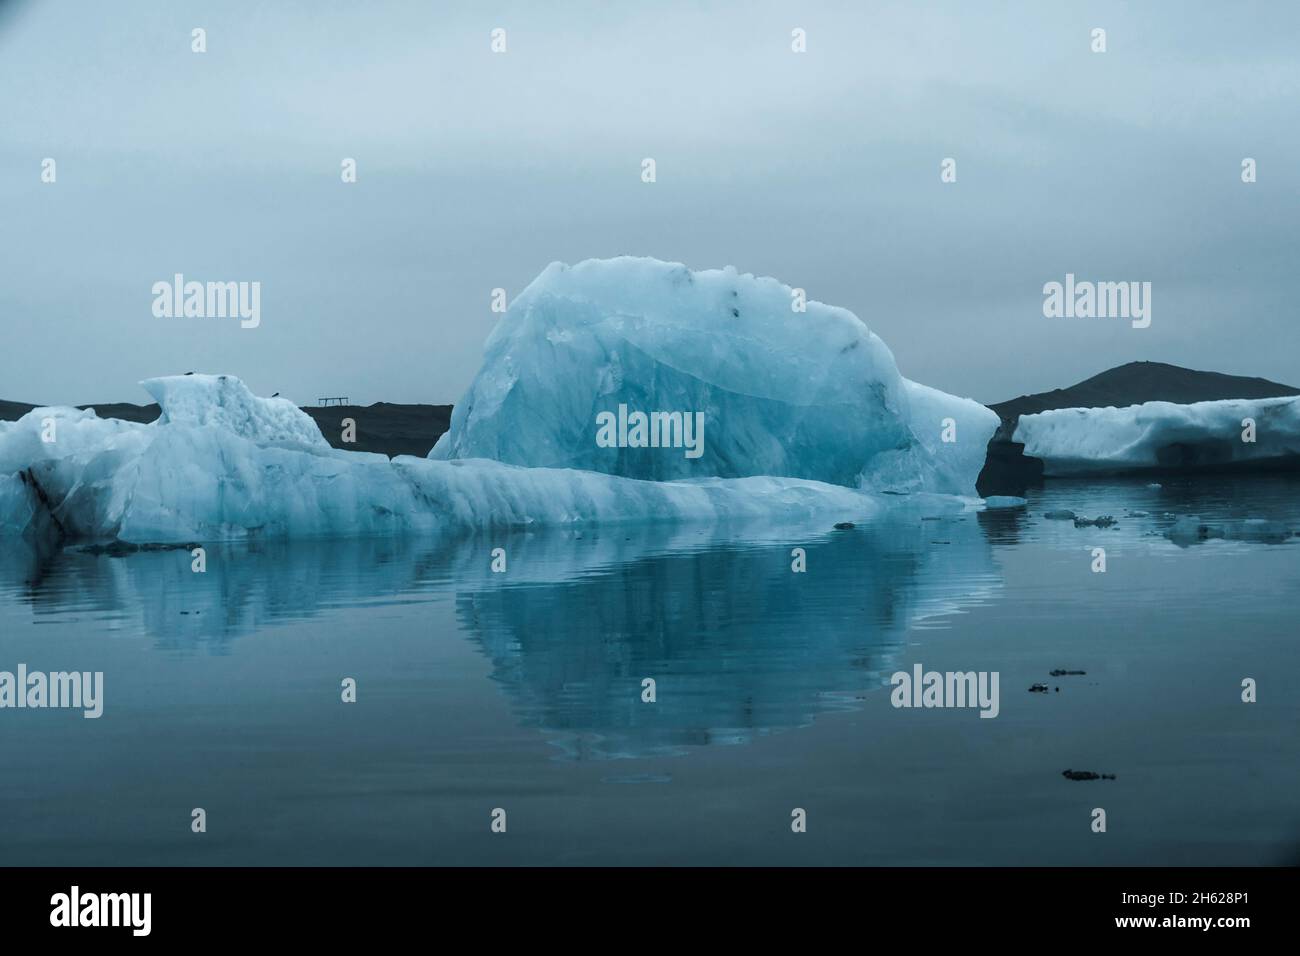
[{"x": 737, "y": 642}]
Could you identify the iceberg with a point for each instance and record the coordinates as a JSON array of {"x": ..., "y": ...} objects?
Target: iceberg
[
  {"x": 222, "y": 464},
  {"x": 800, "y": 415},
  {"x": 1163, "y": 436},
  {"x": 778, "y": 392}
]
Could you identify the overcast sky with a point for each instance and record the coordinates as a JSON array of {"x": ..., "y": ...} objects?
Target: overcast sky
[{"x": 476, "y": 169}]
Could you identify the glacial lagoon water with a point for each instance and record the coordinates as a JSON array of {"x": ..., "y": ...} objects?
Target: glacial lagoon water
[{"x": 523, "y": 691}]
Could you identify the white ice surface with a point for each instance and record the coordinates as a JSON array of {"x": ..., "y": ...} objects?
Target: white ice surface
[{"x": 1075, "y": 441}]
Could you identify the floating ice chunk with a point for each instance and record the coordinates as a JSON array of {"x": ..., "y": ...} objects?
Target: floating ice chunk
[
  {"x": 1073, "y": 441},
  {"x": 811, "y": 394},
  {"x": 1004, "y": 501},
  {"x": 1191, "y": 529}
]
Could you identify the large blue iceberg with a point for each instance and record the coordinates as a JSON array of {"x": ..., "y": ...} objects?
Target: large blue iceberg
[
  {"x": 777, "y": 385},
  {"x": 804, "y": 414}
]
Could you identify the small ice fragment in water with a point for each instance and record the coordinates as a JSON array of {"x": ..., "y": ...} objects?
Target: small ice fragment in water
[{"x": 1004, "y": 501}]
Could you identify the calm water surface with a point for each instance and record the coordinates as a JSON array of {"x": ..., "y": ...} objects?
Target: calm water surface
[{"x": 522, "y": 691}]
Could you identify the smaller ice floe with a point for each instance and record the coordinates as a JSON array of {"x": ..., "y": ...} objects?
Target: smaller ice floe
[
  {"x": 1191, "y": 529},
  {"x": 1163, "y": 435},
  {"x": 1063, "y": 514},
  {"x": 1004, "y": 501}
]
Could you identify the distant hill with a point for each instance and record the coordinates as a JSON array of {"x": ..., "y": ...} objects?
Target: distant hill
[
  {"x": 383, "y": 427},
  {"x": 1139, "y": 382}
]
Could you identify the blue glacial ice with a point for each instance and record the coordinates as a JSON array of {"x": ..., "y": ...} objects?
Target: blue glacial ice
[
  {"x": 1162, "y": 436},
  {"x": 174, "y": 482},
  {"x": 806, "y": 416},
  {"x": 800, "y": 394}
]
